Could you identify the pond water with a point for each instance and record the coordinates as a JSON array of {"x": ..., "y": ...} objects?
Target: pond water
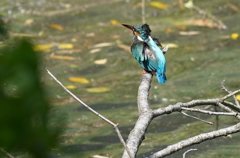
[{"x": 196, "y": 66}]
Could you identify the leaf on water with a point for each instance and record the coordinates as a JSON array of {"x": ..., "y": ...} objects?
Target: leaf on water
[
  {"x": 55, "y": 26},
  {"x": 204, "y": 22},
  {"x": 124, "y": 47},
  {"x": 234, "y": 36},
  {"x": 29, "y": 21},
  {"x": 170, "y": 45},
  {"x": 65, "y": 46},
  {"x": 189, "y": 4},
  {"x": 95, "y": 50},
  {"x": 42, "y": 47},
  {"x": 98, "y": 89},
  {"x": 115, "y": 22},
  {"x": 79, "y": 79},
  {"x": 158, "y": 5},
  {"x": 71, "y": 87},
  {"x": 62, "y": 57},
  {"x": 238, "y": 97},
  {"x": 103, "y": 44},
  {"x": 189, "y": 33},
  {"x": 101, "y": 61}
]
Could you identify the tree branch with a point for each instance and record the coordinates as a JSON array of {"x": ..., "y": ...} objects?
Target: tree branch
[
  {"x": 94, "y": 112},
  {"x": 195, "y": 140},
  {"x": 6, "y": 153}
]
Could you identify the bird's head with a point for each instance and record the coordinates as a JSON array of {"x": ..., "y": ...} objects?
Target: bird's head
[{"x": 140, "y": 31}]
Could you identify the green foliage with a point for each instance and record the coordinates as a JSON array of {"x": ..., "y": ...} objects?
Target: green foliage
[{"x": 24, "y": 111}]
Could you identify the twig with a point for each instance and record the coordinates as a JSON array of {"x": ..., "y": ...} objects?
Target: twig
[
  {"x": 184, "y": 154},
  {"x": 234, "y": 97},
  {"x": 228, "y": 109},
  {"x": 210, "y": 123},
  {"x": 231, "y": 94},
  {"x": 93, "y": 111},
  {"x": 209, "y": 112},
  {"x": 6, "y": 153}
]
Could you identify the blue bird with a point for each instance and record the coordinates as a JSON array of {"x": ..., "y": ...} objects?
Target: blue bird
[{"x": 146, "y": 51}]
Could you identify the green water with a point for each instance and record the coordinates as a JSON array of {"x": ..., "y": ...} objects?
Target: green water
[{"x": 195, "y": 70}]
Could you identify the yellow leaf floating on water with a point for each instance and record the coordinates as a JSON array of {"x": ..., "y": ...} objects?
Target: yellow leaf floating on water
[
  {"x": 158, "y": 5},
  {"x": 115, "y": 22},
  {"x": 238, "y": 97},
  {"x": 170, "y": 45},
  {"x": 62, "y": 57},
  {"x": 234, "y": 36},
  {"x": 71, "y": 87},
  {"x": 101, "y": 61},
  {"x": 42, "y": 47},
  {"x": 65, "y": 46},
  {"x": 55, "y": 26},
  {"x": 98, "y": 89},
  {"x": 78, "y": 79}
]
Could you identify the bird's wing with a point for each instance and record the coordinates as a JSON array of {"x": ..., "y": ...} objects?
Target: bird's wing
[{"x": 137, "y": 49}]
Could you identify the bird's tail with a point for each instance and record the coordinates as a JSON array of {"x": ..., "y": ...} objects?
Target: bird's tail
[{"x": 161, "y": 77}]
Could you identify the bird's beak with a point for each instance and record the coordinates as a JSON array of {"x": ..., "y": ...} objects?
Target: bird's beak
[{"x": 128, "y": 26}]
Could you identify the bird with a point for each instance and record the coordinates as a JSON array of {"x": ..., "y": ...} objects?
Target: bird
[{"x": 146, "y": 51}]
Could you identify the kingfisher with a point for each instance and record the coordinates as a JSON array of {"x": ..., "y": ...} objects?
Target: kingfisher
[{"x": 146, "y": 51}]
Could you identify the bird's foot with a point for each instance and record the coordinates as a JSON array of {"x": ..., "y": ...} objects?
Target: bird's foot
[{"x": 143, "y": 71}]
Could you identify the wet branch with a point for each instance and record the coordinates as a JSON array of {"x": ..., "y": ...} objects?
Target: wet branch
[{"x": 94, "y": 112}]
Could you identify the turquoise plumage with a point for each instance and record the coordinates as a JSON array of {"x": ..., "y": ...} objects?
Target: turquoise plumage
[{"x": 147, "y": 52}]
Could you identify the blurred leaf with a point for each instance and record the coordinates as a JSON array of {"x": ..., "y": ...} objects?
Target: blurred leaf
[
  {"x": 78, "y": 79},
  {"x": 95, "y": 50},
  {"x": 103, "y": 45},
  {"x": 234, "y": 36},
  {"x": 115, "y": 22},
  {"x": 170, "y": 45},
  {"x": 98, "y": 89},
  {"x": 71, "y": 87},
  {"x": 189, "y": 4},
  {"x": 189, "y": 33},
  {"x": 29, "y": 21},
  {"x": 62, "y": 57},
  {"x": 204, "y": 22},
  {"x": 158, "y": 5},
  {"x": 99, "y": 156},
  {"x": 65, "y": 46},
  {"x": 124, "y": 47},
  {"x": 101, "y": 61},
  {"x": 139, "y": 4},
  {"x": 238, "y": 97},
  {"x": 169, "y": 30},
  {"x": 233, "y": 7},
  {"x": 55, "y": 26},
  {"x": 42, "y": 47}
]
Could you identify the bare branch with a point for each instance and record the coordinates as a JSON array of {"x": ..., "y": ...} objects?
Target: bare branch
[
  {"x": 137, "y": 135},
  {"x": 210, "y": 123},
  {"x": 195, "y": 140},
  {"x": 234, "y": 97},
  {"x": 94, "y": 112},
  {"x": 184, "y": 154},
  {"x": 228, "y": 109},
  {"x": 231, "y": 94},
  {"x": 6, "y": 153},
  {"x": 209, "y": 112}
]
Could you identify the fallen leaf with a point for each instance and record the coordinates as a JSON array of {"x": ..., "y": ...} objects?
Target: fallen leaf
[
  {"x": 90, "y": 34},
  {"x": 124, "y": 47},
  {"x": 29, "y": 21},
  {"x": 233, "y": 7},
  {"x": 43, "y": 47},
  {"x": 95, "y": 50},
  {"x": 139, "y": 4},
  {"x": 238, "y": 97},
  {"x": 189, "y": 33},
  {"x": 158, "y": 5},
  {"x": 170, "y": 45},
  {"x": 74, "y": 40},
  {"x": 204, "y": 22},
  {"x": 101, "y": 61},
  {"x": 65, "y": 46},
  {"x": 69, "y": 51},
  {"x": 234, "y": 36},
  {"x": 103, "y": 45},
  {"x": 189, "y": 4},
  {"x": 62, "y": 57},
  {"x": 55, "y": 26},
  {"x": 78, "y": 79},
  {"x": 71, "y": 87},
  {"x": 98, "y": 89},
  {"x": 169, "y": 30},
  {"x": 115, "y": 22}
]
